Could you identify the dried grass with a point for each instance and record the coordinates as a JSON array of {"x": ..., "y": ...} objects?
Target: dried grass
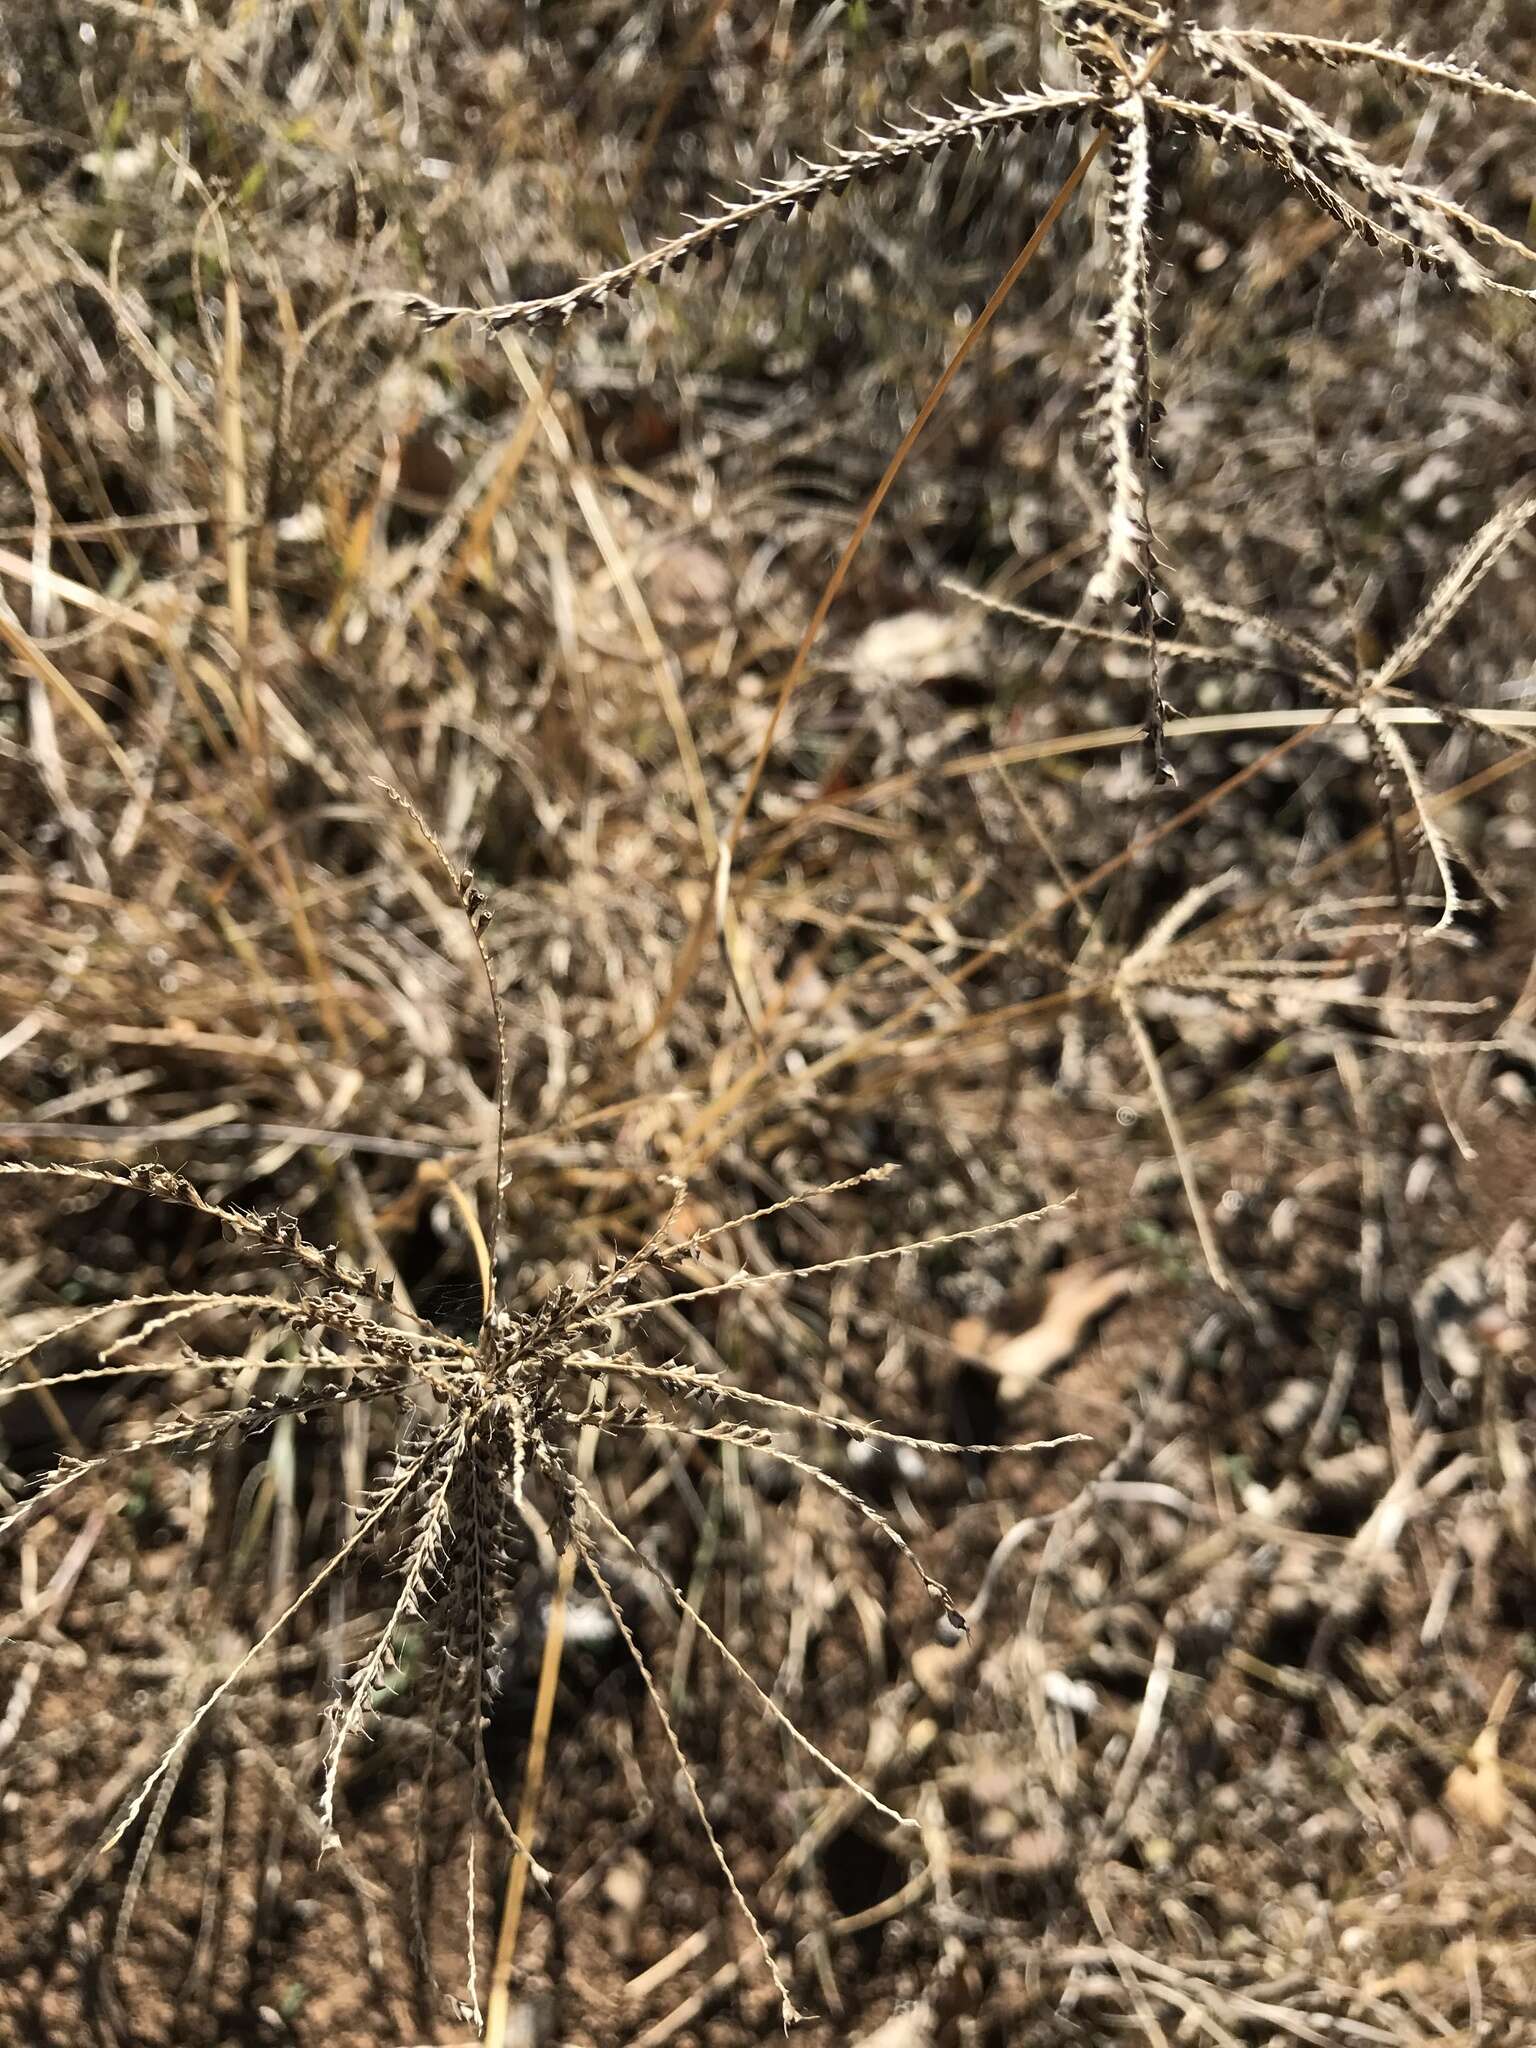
[{"x": 1236, "y": 1743}]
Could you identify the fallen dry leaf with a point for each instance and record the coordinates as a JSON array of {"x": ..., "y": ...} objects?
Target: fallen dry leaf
[
  {"x": 910, "y": 2029},
  {"x": 916, "y": 647},
  {"x": 1475, "y": 1791},
  {"x": 1075, "y": 1299},
  {"x": 939, "y": 1668},
  {"x": 690, "y": 585}
]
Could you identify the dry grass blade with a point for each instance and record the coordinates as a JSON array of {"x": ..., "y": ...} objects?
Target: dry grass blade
[{"x": 1146, "y": 1052}]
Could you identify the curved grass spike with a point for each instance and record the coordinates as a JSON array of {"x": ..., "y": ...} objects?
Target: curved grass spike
[
  {"x": 1336, "y": 53},
  {"x": 779, "y": 199},
  {"x": 433, "y": 1532},
  {"x": 1124, "y": 333},
  {"x": 1127, "y": 567},
  {"x": 190, "y": 1436},
  {"x": 276, "y": 1232},
  {"x": 740, "y": 1281},
  {"x": 388, "y": 1499},
  {"x": 710, "y": 1387}
]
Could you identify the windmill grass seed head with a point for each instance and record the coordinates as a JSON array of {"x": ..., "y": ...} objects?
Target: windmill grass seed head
[{"x": 484, "y": 1474}]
